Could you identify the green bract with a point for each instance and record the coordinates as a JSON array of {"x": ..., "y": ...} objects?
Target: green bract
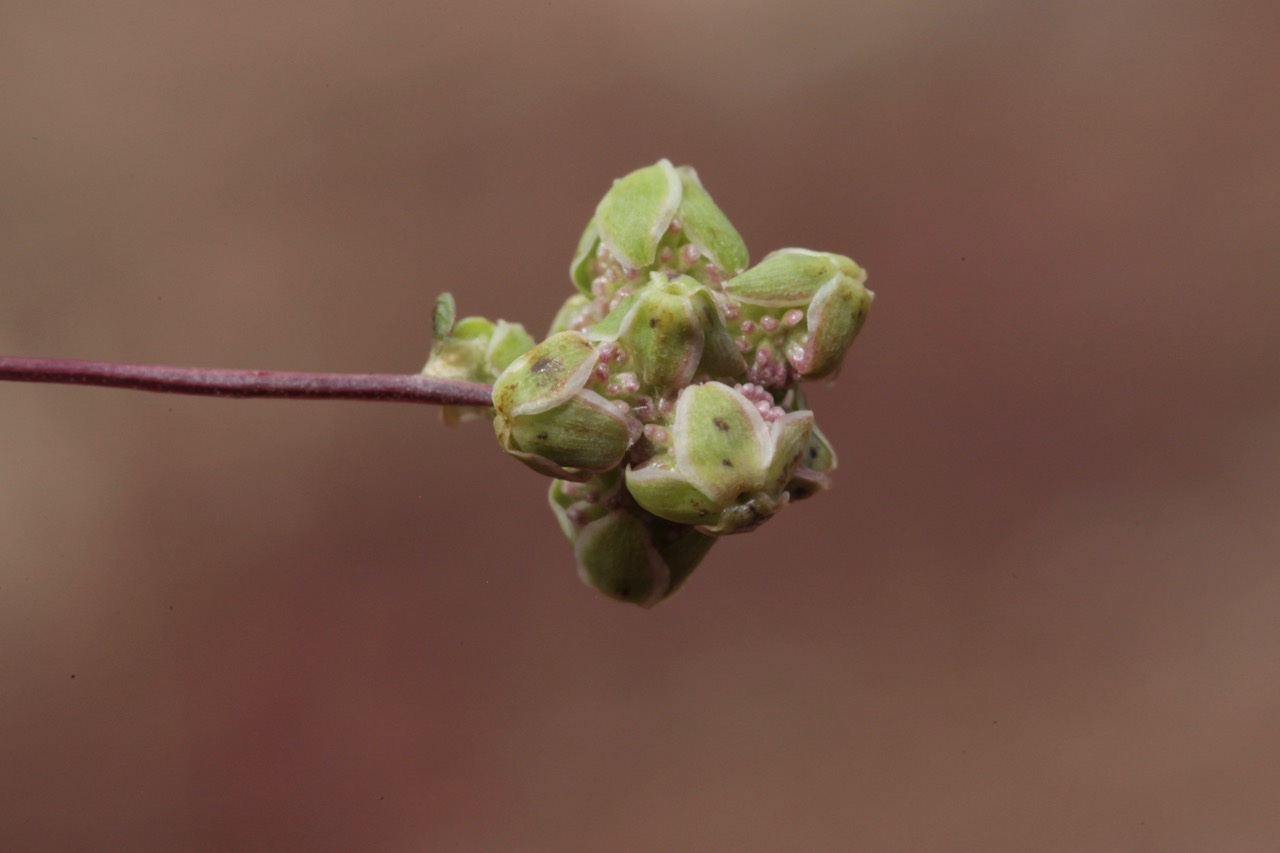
[
  {"x": 621, "y": 550},
  {"x": 667, "y": 401},
  {"x": 472, "y": 349},
  {"x": 827, "y": 288},
  {"x": 548, "y": 419},
  {"x": 671, "y": 328},
  {"x": 656, "y": 210},
  {"x": 728, "y": 468}
]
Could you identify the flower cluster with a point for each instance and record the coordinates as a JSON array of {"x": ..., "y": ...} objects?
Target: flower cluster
[{"x": 666, "y": 400}]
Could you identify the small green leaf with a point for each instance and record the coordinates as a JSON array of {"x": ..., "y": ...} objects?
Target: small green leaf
[{"x": 443, "y": 316}]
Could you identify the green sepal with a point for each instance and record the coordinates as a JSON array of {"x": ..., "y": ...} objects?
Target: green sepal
[
  {"x": 635, "y": 213},
  {"x": 580, "y": 267},
  {"x": 720, "y": 441},
  {"x": 721, "y": 358},
  {"x": 547, "y": 418},
  {"x": 545, "y": 376},
  {"x": 584, "y": 434},
  {"x": 667, "y": 494},
  {"x": 790, "y": 278},
  {"x": 833, "y": 320},
  {"x": 729, "y": 469},
  {"x": 707, "y": 227},
  {"x": 616, "y": 556},
  {"x": 507, "y": 342}
]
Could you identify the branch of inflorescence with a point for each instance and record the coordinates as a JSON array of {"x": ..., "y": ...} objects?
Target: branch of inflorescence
[{"x": 217, "y": 382}]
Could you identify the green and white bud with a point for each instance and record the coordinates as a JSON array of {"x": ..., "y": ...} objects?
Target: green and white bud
[
  {"x": 658, "y": 217},
  {"x": 621, "y": 550},
  {"x": 671, "y": 330},
  {"x": 817, "y": 301},
  {"x": 548, "y": 418},
  {"x": 727, "y": 468},
  {"x": 473, "y": 349}
]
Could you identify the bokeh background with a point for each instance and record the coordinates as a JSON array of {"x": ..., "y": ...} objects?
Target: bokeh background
[{"x": 1040, "y": 611}]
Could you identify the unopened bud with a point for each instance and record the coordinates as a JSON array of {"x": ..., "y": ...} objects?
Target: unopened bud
[
  {"x": 473, "y": 349},
  {"x": 622, "y": 550},
  {"x": 728, "y": 468},
  {"x": 829, "y": 288},
  {"x": 657, "y": 216},
  {"x": 549, "y": 420}
]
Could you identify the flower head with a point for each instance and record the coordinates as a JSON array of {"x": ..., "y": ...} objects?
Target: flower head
[{"x": 666, "y": 401}]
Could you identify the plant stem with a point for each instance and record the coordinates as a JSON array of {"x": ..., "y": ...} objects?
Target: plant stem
[{"x": 216, "y": 382}]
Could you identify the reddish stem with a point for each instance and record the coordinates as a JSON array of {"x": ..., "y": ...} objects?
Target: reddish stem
[{"x": 216, "y": 382}]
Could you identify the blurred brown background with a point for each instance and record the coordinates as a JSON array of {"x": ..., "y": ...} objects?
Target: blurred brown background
[{"x": 1040, "y": 611}]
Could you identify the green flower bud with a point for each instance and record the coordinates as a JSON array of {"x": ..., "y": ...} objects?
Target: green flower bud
[
  {"x": 828, "y": 288},
  {"x": 548, "y": 419},
  {"x": 473, "y": 349},
  {"x": 621, "y": 550},
  {"x": 671, "y": 328},
  {"x": 657, "y": 216},
  {"x": 727, "y": 468}
]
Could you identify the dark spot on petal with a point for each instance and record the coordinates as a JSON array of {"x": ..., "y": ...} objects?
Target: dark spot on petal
[
  {"x": 543, "y": 364},
  {"x": 624, "y": 592},
  {"x": 813, "y": 453},
  {"x": 726, "y": 463},
  {"x": 721, "y": 424},
  {"x": 653, "y": 322},
  {"x": 542, "y": 436}
]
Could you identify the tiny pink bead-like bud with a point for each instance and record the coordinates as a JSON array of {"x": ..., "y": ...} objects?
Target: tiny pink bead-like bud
[
  {"x": 690, "y": 254},
  {"x": 742, "y": 343},
  {"x": 769, "y": 324},
  {"x": 664, "y": 257},
  {"x": 628, "y": 383},
  {"x": 655, "y": 433},
  {"x": 730, "y": 310},
  {"x": 763, "y": 356},
  {"x": 621, "y": 405},
  {"x": 793, "y": 317},
  {"x": 747, "y": 327},
  {"x": 614, "y": 389},
  {"x": 602, "y": 372}
]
